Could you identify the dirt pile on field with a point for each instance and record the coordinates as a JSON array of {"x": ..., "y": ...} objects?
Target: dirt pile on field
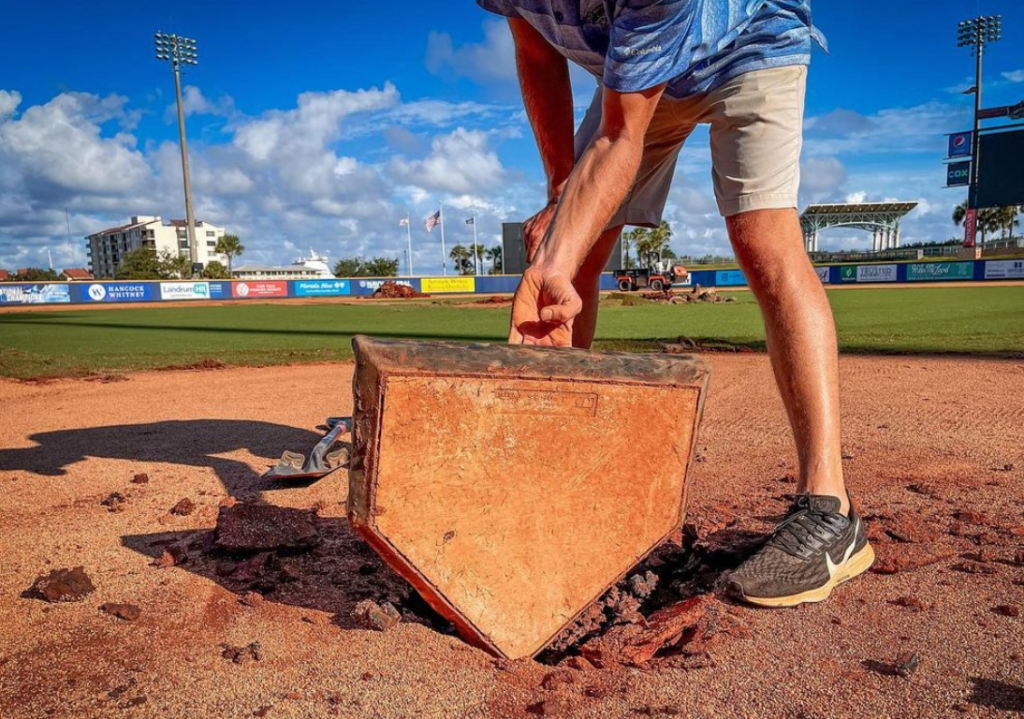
[
  {"x": 697, "y": 294},
  {"x": 392, "y": 290}
]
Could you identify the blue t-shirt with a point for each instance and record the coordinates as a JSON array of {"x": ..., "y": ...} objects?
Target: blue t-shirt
[{"x": 693, "y": 45}]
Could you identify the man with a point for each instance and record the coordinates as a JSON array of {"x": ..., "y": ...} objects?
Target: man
[{"x": 665, "y": 66}]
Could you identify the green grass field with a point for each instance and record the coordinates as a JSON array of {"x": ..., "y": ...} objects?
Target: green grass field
[{"x": 965, "y": 320}]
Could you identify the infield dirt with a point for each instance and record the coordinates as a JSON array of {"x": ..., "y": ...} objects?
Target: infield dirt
[{"x": 933, "y": 450}]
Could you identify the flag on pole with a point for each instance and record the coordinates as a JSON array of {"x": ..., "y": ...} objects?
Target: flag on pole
[
  {"x": 470, "y": 220},
  {"x": 433, "y": 221},
  {"x": 404, "y": 222}
]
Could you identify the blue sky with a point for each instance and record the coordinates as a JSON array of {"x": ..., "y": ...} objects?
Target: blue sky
[{"x": 321, "y": 125}]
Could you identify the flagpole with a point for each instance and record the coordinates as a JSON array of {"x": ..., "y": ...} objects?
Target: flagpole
[
  {"x": 476, "y": 249},
  {"x": 408, "y": 239},
  {"x": 444, "y": 253}
]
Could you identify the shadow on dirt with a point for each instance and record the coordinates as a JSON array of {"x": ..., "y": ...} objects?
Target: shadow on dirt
[
  {"x": 192, "y": 443},
  {"x": 335, "y": 574},
  {"x": 997, "y": 695}
]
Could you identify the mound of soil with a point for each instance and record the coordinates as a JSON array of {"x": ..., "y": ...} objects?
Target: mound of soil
[{"x": 394, "y": 291}]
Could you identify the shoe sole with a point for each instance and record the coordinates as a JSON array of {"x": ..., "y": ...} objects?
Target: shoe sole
[{"x": 854, "y": 566}]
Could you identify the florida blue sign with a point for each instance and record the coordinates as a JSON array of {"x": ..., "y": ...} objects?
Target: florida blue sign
[
  {"x": 320, "y": 288},
  {"x": 960, "y": 144}
]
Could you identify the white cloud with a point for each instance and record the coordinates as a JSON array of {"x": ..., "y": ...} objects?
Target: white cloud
[
  {"x": 9, "y": 101},
  {"x": 194, "y": 102},
  {"x": 492, "y": 60},
  {"x": 1013, "y": 76},
  {"x": 459, "y": 162}
]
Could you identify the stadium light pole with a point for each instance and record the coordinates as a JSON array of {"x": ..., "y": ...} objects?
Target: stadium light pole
[
  {"x": 976, "y": 33},
  {"x": 181, "y": 51}
]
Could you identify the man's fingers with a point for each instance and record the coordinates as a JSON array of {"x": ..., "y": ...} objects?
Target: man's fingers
[{"x": 567, "y": 302}]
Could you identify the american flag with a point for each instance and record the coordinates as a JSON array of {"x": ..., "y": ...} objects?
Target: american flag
[
  {"x": 433, "y": 221},
  {"x": 470, "y": 220},
  {"x": 403, "y": 222}
]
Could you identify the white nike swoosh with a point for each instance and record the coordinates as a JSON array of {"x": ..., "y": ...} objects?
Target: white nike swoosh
[{"x": 832, "y": 567}]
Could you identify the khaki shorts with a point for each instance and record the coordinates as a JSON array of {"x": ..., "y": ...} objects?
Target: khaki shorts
[{"x": 756, "y": 132}]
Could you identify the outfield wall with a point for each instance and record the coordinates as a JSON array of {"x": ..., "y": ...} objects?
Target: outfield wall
[{"x": 86, "y": 293}]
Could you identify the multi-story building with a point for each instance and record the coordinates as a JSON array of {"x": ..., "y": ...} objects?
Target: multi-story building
[{"x": 108, "y": 247}]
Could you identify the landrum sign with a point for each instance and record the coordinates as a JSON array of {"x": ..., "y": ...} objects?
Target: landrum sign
[{"x": 513, "y": 485}]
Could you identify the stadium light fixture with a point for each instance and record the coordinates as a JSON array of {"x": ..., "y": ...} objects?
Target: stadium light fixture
[
  {"x": 181, "y": 51},
  {"x": 976, "y": 33}
]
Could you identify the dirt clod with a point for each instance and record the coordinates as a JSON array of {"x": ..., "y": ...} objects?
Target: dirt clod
[
  {"x": 1007, "y": 610},
  {"x": 910, "y": 603},
  {"x": 907, "y": 663},
  {"x": 555, "y": 706},
  {"x": 379, "y": 617},
  {"x": 246, "y": 528},
  {"x": 140, "y": 478},
  {"x": 115, "y": 502},
  {"x": 184, "y": 507},
  {"x": 688, "y": 627},
  {"x": 127, "y": 612},
  {"x": 172, "y": 556},
  {"x": 251, "y": 599},
  {"x": 62, "y": 585},
  {"x": 394, "y": 290},
  {"x": 242, "y": 655},
  {"x": 558, "y": 679}
]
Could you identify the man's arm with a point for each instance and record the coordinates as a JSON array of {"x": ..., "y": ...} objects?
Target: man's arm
[
  {"x": 546, "y": 302},
  {"x": 547, "y": 96}
]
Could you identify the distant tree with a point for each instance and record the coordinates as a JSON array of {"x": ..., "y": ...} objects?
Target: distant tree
[
  {"x": 141, "y": 264},
  {"x": 215, "y": 270},
  {"x": 348, "y": 267},
  {"x": 229, "y": 246},
  {"x": 989, "y": 219},
  {"x": 478, "y": 253},
  {"x": 462, "y": 259},
  {"x": 175, "y": 265},
  {"x": 631, "y": 239},
  {"x": 361, "y": 267},
  {"x": 37, "y": 274},
  {"x": 494, "y": 255},
  {"x": 381, "y": 267},
  {"x": 652, "y": 243}
]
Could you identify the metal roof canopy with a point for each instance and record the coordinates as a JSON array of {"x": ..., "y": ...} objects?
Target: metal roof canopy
[{"x": 881, "y": 218}]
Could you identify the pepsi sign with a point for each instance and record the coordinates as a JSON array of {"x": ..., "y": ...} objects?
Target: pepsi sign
[{"x": 960, "y": 144}]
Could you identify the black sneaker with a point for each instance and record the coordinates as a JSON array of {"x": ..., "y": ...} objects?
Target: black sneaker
[{"x": 814, "y": 549}]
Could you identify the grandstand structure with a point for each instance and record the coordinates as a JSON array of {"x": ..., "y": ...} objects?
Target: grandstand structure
[{"x": 881, "y": 219}]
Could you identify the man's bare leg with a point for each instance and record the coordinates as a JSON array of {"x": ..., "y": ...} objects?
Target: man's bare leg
[
  {"x": 588, "y": 286},
  {"x": 801, "y": 340}
]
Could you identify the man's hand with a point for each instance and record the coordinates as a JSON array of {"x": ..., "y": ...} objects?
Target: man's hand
[{"x": 543, "y": 308}]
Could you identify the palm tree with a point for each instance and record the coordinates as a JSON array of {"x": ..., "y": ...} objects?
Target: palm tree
[
  {"x": 462, "y": 259},
  {"x": 494, "y": 255},
  {"x": 229, "y": 246},
  {"x": 652, "y": 243},
  {"x": 633, "y": 237}
]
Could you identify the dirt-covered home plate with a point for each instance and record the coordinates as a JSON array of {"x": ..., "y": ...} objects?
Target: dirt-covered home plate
[{"x": 512, "y": 485}]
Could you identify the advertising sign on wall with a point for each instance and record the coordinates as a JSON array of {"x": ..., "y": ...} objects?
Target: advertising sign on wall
[
  {"x": 938, "y": 271},
  {"x": 184, "y": 290},
  {"x": 320, "y": 288},
  {"x": 259, "y": 288},
  {"x": 448, "y": 284},
  {"x": 876, "y": 273},
  {"x": 1004, "y": 269},
  {"x": 34, "y": 294},
  {"x": 368, "y": 287},
  {"x": 822, "y": 274},
  {"x": 729, "y": 278},
  {"x": 118, "y": 292}
]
